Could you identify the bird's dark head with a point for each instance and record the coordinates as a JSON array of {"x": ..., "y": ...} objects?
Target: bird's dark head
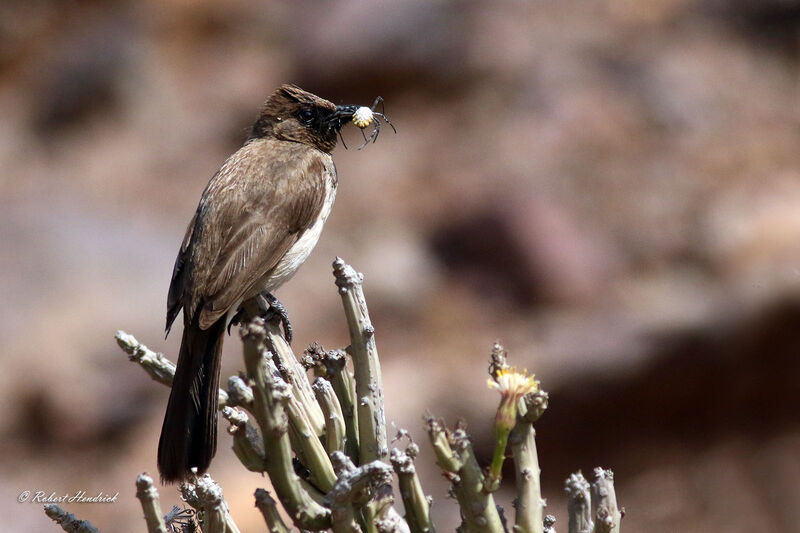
[{"x": 292, "y": 114}]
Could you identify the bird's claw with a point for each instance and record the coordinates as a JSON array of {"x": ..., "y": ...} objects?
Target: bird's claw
[
  {"x": 275, "y": 310},
  {"x": 269, "y": 308}
]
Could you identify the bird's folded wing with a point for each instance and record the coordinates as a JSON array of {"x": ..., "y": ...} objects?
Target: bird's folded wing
[{"x": 248, "y": 223}]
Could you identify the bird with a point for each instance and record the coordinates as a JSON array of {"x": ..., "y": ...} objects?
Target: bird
[{"x": 257, "y": 221}]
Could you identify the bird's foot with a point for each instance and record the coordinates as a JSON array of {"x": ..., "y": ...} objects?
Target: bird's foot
[
  {"x": 274, "y": 310},
  {"x": 267, "y": 307}
]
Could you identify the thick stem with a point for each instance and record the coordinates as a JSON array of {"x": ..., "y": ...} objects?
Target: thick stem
[
  {"x": 67, "y": 521},
  {"x": 305, "y": 442},
  {"x": 239, "y": 393},
  {"x": 295, "y": 375},
  {"x": 334, "y": 419},
  {"x": 269, "y": 510},
  {"x": 344, "y": 386},
  {"x": 365, "y": 491},
  {"x": 341, "y": 500},
  {"x": 529, "y": 504},
  {"x": 579, "y": 504},
  {"x": 310, "y": 448},
  {"x": 148, "y": 495},
  {"x": 604, "y": 502},
  {"x": 248, "y": 445},
  {"x": 388, "y": 519},
  {"x": 269, "y": 398},
  {"x": 418, "y": 511},
  {"x": 454, "y": 453},
  {"x": 205, "y": 495},
  {"x": 367, "y": 369}
]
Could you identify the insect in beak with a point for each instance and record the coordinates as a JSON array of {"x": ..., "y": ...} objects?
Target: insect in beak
[{"x": 362, "y": 117}]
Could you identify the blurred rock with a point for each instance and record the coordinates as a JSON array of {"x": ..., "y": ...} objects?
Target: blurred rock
[{"x": 81, "y": 75}]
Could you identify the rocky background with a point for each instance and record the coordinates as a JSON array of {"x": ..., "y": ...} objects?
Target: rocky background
[{"x": 611, "y": 188}]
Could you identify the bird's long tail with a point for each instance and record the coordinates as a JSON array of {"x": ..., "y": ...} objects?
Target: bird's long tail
[{"x": 189, "y": 433}]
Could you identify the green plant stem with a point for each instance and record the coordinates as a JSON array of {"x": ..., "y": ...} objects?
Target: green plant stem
[
  {"x": 267, "y": 505},
  {"x": 295, "y": 375},
  {"x": 335, "y": 363},
  {"x": 369, "y": 387},
  {"x": 269, "y": 398},
  {"x": 248, "y": 445},
  {"x": 363, "y": 491},
  {"x": 305, "y": 441},
  {"x": 205, "y": 495},
  {"x": 341, "y": 500},
  {"x": 454, "y": 454},
  {"x": 418, "y": 512},
  {"x": 147, "y": 494},
  {"x": 579, "y": 504},
  {"x": 530, "y": 506},
  {"x": 334, "y": 419},
  {"x": 604, "y": 502},
  {"x": 492, "y": 482},
  {"x": 67, "y": 521},
  {"x": 239, "y": 393}
]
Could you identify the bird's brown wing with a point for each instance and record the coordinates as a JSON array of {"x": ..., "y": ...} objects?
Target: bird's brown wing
[
  {"x": 176, "y": 285},
  {"x": 256, "y": 207}
]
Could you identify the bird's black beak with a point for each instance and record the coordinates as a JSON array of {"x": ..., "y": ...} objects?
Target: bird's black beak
[{"x": 341, "y": 116}]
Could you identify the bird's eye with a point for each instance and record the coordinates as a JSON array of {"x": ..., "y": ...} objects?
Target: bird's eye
[{"x": 306, "y": 115}]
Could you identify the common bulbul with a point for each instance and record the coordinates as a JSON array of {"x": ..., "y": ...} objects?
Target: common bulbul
[{"x": 258, "y": 219}]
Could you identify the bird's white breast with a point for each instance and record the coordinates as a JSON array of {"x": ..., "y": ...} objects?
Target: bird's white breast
[{"x": 301, "y": 249}]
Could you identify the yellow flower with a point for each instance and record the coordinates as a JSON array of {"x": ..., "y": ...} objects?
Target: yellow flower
[{"x": 512, "y": 383}]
